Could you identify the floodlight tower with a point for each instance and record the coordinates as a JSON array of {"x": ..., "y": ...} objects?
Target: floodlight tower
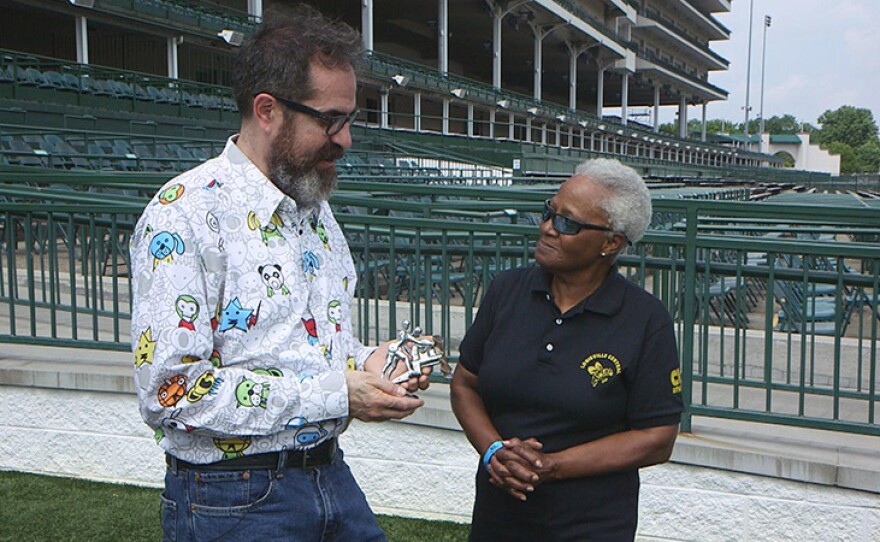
[{"x": 767, "y": 21}]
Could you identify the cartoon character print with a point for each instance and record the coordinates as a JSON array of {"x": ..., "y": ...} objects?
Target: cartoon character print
[
  {"x": 321, "y": 231},
  {"x": 251, "y": 394},
  {"x": 215, "y": 320},
  {"x": 273, "y": 278},
  {"x": 213, "y": 185},
  {"x": 308, "y": 435},
  {"x": 171, "y": 194},
  {"x": 311, "y": 330},
  {"x": 214, "y": 359},
  {"x": 311, "y": 264},
  {"x": 270, "y": 371},
  {"x": 206, "y": 384},
  {"x": 334, "y": 314},
  {"x": 232, "y": 447},
  {"x": 270, "y": 230},
  {"x": 327, "y": 351},
  {"x": 234, "y": 316},
  {"x": 188, "y": 310},
  {"x": 172, "y": 390},
  {"x": 146, "y": 347},
  {"x": 171, "y": 422},
  {"x": 214, "y": 226},
  {"x": 164, "y": 245}
]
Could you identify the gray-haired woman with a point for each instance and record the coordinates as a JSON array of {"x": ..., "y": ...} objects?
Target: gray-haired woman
[{"x": 568, "y": 380}]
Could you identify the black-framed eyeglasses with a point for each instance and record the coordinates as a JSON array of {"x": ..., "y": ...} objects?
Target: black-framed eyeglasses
[
  {"x": 333, "y": 124},
  {"x": 565, "y": 225}
]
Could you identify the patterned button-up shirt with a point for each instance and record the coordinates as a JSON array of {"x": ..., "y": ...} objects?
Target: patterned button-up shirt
[{"x": 240, "y": 317}]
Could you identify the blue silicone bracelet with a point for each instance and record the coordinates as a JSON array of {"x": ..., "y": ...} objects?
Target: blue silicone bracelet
[{"x": 490, "y": 451}]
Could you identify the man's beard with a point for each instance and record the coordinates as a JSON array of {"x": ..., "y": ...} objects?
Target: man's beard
[{"x": 297, "y": 176}]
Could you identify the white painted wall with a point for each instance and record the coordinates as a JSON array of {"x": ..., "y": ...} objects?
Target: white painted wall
[
  {"x": 425, "y": 468},
  {"x": 807, "y": 157}
]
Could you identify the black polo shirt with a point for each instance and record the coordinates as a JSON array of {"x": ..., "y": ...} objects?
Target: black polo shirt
[{"x": 607, "y": 365}]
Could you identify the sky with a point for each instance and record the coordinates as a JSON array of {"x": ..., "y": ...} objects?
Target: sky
[{"x": 821, "y": 54}]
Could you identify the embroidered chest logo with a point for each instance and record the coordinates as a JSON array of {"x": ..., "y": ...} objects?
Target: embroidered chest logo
[{"x": 601, "y": 367}]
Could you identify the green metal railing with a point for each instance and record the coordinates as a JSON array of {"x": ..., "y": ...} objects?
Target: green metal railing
[{"x": 773, "y": 326}]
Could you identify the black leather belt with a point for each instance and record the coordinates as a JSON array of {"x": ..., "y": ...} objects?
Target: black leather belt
[{"x": 318, "y": 456}]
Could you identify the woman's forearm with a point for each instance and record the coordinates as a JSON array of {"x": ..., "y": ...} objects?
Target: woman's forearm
[
  {"x": 624, "y": 451},
  {"x": 470, "y": 411}
]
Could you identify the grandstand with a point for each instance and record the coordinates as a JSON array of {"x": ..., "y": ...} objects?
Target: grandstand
[
  {"x": 159, "y": 67},
  {"x": 772, "y": 275}
]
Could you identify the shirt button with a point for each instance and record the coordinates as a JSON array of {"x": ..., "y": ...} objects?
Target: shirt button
[
  {"x": 559, "y": 321},
  {"x": 548, "y": 297},
  {"x": 549, "y": 347}
]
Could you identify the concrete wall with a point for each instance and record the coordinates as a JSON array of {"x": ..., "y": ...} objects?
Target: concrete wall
[{"x": 424, "y": 468}]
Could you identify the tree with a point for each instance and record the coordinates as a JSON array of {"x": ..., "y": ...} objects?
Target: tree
[
  {"x": 786, "y": 124},
  {"x": 849, "y": 162},
  {"x": 847, "y": 124},
  {"x": 868, "y": 156}
]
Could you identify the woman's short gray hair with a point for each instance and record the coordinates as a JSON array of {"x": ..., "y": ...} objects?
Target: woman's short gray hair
[{"x": 628, "y": 205}]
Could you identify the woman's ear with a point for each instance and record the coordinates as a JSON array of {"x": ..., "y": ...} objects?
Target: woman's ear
[{"x": 615, "y": 244}]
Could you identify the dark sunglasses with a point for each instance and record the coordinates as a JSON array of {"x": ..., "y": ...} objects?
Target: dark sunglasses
[
  {"x": 565, "y": 225},
  {"x": 333, "y": 124}
]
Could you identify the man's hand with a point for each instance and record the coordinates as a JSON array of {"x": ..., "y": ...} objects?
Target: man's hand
[
  {"x": 371, "y": 398},
  {"x": 376, "y": 362}
]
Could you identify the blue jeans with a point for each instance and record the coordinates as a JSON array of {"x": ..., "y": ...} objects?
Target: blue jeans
[{"x": 316, "y": 505}]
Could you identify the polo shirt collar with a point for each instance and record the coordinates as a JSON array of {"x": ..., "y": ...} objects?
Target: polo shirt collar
[{"x": 607, "y": 299}]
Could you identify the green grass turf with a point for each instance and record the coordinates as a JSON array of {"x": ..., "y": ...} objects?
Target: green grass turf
[{"x": 43, "y": 508}]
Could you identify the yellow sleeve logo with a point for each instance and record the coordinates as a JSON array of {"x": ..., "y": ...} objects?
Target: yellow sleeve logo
[{"x": 675, "y": 380}]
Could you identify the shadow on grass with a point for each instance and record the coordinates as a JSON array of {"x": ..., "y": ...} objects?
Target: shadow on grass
[{"x": 59, "y": 509}]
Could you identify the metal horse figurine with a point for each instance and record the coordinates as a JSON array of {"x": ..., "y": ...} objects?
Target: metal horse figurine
[{"x": 415, "y": 353}]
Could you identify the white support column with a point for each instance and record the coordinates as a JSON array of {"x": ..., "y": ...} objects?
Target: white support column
[
  {"x": 682, "y": 118},
  {"x": 528, "y": 129},
  {"x": 417, "y": 111},
  {"x": 544, "y": 134},
  {"x": 600, "y": 93},
  {"x": 171, "y": 50},
  {"x": 656, "y": 109},
  {"x": 255, "y": 9},
  {"x": 492, "y": 123},
  {"x": 703, "y": 133},
  {"x": 510, "y": 126},
  {"x": 470, "y": 123},
  {"x": 537, "y": 58},
  {"x": 443, "y": 35},
  {"x": 384, "y": 108},
  {"x": 624, "y": 97},
  {"x": 445, "y": 116},
  {"x": 496, "y": 48},
  {"x": 572, "y": 78},
  {"x": 82, "y": 39},
  {"x": 539, "y": 33},
  {"x": 367, "y": 24}
]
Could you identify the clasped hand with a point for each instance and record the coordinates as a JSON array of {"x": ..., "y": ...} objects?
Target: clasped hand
[{"x": 520, "y": 466}]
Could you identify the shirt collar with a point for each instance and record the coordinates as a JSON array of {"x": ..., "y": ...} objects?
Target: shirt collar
[
  {"x": 263, "y": 201},
  {"x": 607, "y": 299}
]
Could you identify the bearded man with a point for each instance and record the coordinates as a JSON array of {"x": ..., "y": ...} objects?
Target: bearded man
[{"x": 248, "y": 405}]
